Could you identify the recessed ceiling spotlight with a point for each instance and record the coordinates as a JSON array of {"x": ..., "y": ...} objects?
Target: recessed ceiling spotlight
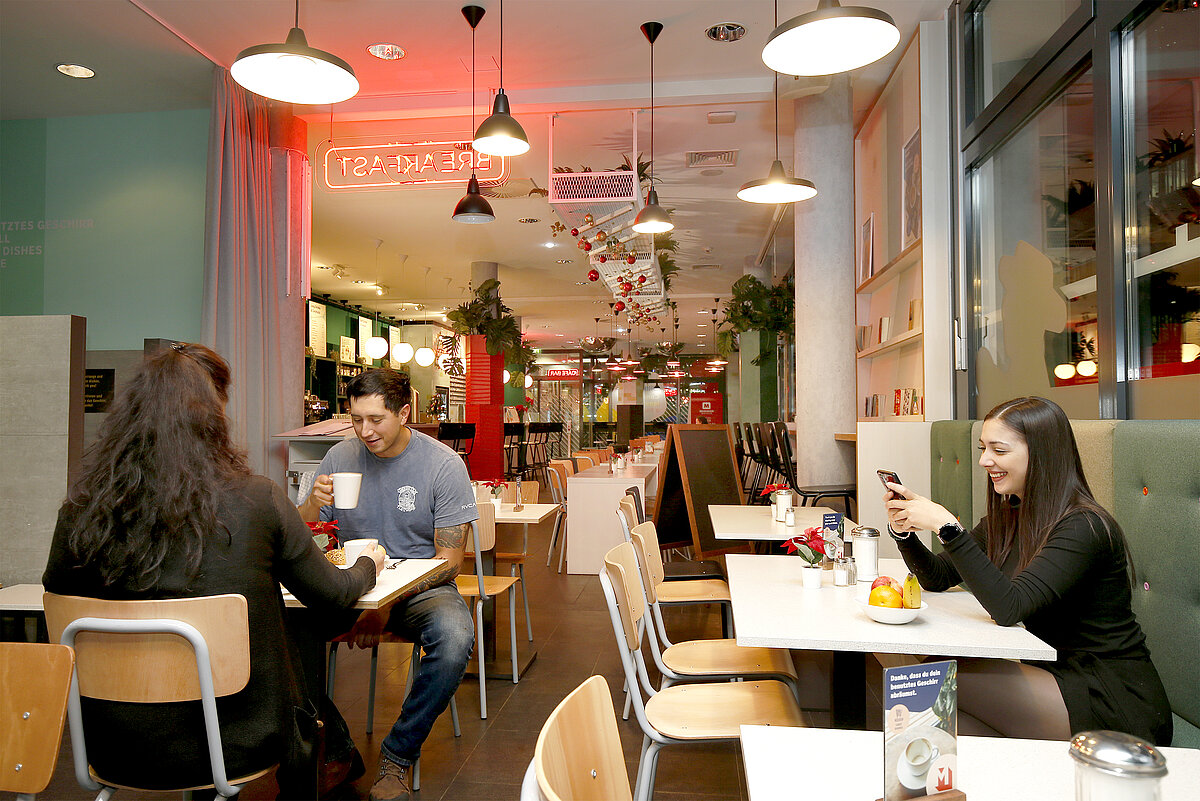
[
  {"x": 75, "y": 70},
  {"x": 321, "y": 267},
  {"x": 387, "y": 51},
  {"x": 564, "y": 261},
  {"x": 359, "y": 281},
  {"x": 547, "y": 244},
  {"x": 726, "y": 32},
  {"x": 701, "y": 335},
  {"x": 702, "y": 325},
  {"x": 581, "y": 283},
  {"x": 620, "y": 330},
  {"x": 560, "y": 335},
  {"x": 528, "y": 220}
]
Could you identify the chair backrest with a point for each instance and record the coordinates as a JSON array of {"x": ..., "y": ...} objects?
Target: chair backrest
[
  {"x": 626, "y": 515},
  {"x": 621, "y": 568},
  {"x": 486, "y": 526},
  {"x": 36, "y": 678},
  {"x": 530, "y": 492},
  {"x": 751, "y": 441},
  {"x": 558, "y": 480},
  {"x": 578, "y": 755},
  {"x": 568, "y": 467},
  {"x": 638, "y": 507},
  {"x": 652, "y": 563},
  {"x": 783, "y": 441},
  {"x": 155, "y": 668}
]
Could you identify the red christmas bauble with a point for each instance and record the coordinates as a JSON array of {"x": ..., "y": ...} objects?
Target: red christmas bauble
[
  {"x": 619, "y": 306},
  {"x": 587, "y": 246},
  {"x": 574, "y": 232},
  {"x": 631, "y": 258},
  {"x": 593, "y": 275},
  {"x": 641, "y": 279},
  {"x": 602, "y": 258}
]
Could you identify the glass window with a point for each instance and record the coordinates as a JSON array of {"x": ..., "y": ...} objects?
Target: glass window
[
  {"x": 1161, "y": 97},
  {"x": 1033, "y": 259},
  {"x": 1003, "y": 35}
]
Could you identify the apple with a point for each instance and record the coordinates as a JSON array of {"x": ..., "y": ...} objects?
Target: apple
[{"x": 887, "y": 581}]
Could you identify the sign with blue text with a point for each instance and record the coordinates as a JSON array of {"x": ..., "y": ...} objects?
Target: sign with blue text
[{"x": 920, "y": 730}]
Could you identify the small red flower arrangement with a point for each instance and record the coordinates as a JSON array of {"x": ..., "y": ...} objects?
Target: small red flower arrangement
[
  {"x": 496, "y": 487},
  {"x": 325, "y": 534},
  {"x": 810, "y": 546},
  {"x": 771, "y": 489}
]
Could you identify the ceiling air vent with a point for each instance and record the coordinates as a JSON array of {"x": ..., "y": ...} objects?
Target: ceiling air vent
[
  {"x": 711, "y": 158},
  {"x": 706, "y": 266}
]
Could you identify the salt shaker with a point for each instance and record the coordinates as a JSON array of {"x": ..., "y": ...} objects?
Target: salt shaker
[
  {"x": 1113, "y": 766},
  {"x": 789, "y": 516},
  {"x": 841, "y": 572},
  {"x": 866, "y": 552}
]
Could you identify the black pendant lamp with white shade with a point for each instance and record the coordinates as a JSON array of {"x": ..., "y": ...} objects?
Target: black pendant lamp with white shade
[
  {"x": 653, "y": 218},
  {"x": 777, "y": 187},
  {"x": 500, "y": 134},
  {"x": 830, "y": 39},
  {"x": 293, "y": 72},
  {"x": 473, "y": 208}
]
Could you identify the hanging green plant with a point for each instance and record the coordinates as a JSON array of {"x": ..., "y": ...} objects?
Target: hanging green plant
[
  {"x": 755, "y": 306},
  {"x": 521, "y": 362},
  {"x": 486, "y": 314}
]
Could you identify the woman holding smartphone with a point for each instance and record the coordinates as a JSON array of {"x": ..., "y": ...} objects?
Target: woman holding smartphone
[{"x": 1046, "y": 555}]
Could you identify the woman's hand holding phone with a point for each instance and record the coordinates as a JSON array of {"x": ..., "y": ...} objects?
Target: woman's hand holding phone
[{"x": 908, "y": 511}]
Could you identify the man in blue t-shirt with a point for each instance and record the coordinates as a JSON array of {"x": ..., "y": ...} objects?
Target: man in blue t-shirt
[{"x": 417, "y": 500}]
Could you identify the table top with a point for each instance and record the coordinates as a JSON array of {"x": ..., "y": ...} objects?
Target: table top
[
  {"x": 757, "y": 522},
  {"x": 21, "y": 598},
  {"x": 600, "y": 472},
  {"x": 396, "y": 577},
  {"x": 992, "y": 768},
  {"x": 772, "y": 609},
  {"x": 530, "y": 513}
]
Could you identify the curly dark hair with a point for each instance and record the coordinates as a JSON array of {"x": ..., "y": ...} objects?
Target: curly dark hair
[{"x": 150, "y": 484}]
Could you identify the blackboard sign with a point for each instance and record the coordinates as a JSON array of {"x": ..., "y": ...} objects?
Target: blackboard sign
[
  {"x": 699, "y": 468},
  {"x": 97, "y": 390}
]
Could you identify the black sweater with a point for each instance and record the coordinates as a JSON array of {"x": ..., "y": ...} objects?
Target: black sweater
[
  {"x": 263, "y": 543},
  {"x": 1075, "y": 595}
]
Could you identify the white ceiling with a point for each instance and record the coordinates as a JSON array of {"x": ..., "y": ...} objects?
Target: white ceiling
[{"x": 584, "y": 64}]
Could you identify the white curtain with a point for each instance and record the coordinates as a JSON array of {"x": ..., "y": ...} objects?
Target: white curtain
[{"x": 255, "y": 263}]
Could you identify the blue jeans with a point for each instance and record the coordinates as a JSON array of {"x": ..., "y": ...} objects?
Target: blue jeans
[{"x": 440, "y": 621}]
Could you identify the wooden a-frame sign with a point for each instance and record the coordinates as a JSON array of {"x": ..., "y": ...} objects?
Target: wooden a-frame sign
[{"x": 699, "y": 468}]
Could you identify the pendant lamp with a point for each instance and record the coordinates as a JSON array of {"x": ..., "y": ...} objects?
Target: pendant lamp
[
  {"x": 473, "y": 208},
  {"x": 500, "y": 134},
  {"x": 293, "y": 72},
  {"x": 653, "y": 218},
  {"x": 830, "y": 40},
  {"x": 777, "y": 187}
]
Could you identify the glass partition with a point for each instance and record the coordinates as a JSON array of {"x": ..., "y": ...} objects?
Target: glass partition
[
  {"x": 1032, "y": 252},
  {"x": 1161, "y": 98}
]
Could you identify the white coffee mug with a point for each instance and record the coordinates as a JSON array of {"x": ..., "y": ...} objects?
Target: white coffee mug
[
  {"x": 355, "y": 548},
  {"x": 345, "y": 489},
  {"x": 919, "y": 754}
]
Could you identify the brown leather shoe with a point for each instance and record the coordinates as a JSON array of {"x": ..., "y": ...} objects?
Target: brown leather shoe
[{"x": 392, "y": 783}]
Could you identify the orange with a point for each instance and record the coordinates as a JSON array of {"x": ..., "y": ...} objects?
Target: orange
[{"x": 885, "y": 596}]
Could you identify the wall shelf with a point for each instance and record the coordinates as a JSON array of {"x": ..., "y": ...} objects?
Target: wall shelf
[
  {"x": 893, "y": 343},
  {"x": 907, "y": 258}
]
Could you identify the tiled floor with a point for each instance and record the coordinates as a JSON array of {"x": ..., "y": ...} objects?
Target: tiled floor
[{"x": 573, "y": 639}]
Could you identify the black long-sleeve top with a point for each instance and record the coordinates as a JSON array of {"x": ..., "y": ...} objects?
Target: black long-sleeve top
[
  {"x": 262, "y": 543},
  {"x": 1075, "y": 595}
]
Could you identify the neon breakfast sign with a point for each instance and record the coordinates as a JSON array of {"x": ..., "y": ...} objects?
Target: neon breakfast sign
[{"x": 409, "y": 165}]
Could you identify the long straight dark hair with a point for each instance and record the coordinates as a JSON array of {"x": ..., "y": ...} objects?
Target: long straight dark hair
[
  {"x": 150, "y": 484},
  {"x": 1054, "y": 483}
]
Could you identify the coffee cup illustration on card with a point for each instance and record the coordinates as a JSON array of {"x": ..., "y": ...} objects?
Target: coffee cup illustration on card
[{"x": 920, "y": 751}]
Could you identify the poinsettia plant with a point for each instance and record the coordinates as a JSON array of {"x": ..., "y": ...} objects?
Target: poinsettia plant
[
  {"x": 325, "y": 534},
  {"x": 771, "y": 489},
  {"x": 809, "y": 546},
  {"x": 496, "y": 487}
]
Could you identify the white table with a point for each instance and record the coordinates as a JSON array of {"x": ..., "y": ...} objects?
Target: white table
[
  {"x": 772, "y": 609},
  {"x": 396, "y": 577},
  {"x": 991, "y": 768},
  {"x": 592, "y": 498},
  {"x": 757, "y": 522}
]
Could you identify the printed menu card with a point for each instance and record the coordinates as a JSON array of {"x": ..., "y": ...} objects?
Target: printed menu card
[{"x": 920, "y": 728}]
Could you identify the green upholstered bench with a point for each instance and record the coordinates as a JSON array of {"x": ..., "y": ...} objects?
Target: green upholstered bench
[
  {"x": 1156, "y": 486},
  {"x": 951, "y": 454}
]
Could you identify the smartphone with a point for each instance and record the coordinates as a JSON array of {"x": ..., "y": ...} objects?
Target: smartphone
[{"x": 887, "y": 475}]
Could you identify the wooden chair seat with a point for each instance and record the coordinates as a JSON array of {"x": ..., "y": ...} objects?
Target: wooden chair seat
[
  {"x": 249, "y": 777},
  {"x": 468, "y": 586},
  {"x": 718, "y": 711},
  {"x": 722, "y": 657},
  {"x": 693, "y": 592}
]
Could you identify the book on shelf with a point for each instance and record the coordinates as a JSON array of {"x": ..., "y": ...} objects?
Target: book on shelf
[
  {"x": 862, "y": 337},
  {"x": 914, "y": 314},
  {"x": 885, "y": 329},
  {"x": 897, "y": 402}
]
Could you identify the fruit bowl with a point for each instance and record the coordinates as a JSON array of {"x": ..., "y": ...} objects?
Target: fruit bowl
[{"x": 891, "y": 615}]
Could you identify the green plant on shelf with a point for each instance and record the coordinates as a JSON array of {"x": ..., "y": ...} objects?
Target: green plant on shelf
[{"x": 755, "y": 306}]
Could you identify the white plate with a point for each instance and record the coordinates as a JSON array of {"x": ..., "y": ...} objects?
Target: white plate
[{"x": 887, "y": 614}]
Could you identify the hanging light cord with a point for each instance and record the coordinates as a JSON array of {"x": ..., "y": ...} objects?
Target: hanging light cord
[
  {"x": 297, "y": 25},
  {"x": 501, "y": 46},
  {"x": 473, "y": 95},
  {"x": 651, "y": 114},
  {"x": 776, "y": 20}
]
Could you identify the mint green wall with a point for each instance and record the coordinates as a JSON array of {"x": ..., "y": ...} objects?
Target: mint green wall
[
  {"x": 136, "y": 184},
  {"x": 22, "y": 202},
  {"x": 758, "y": 384}
]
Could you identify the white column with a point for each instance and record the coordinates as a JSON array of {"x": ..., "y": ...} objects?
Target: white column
[{"x": 825, "y": 364}]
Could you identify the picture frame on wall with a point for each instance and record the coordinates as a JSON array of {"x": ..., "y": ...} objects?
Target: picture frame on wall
[
  {"x": 866, "y": 249},
  {"x": 910, "y": 190}
]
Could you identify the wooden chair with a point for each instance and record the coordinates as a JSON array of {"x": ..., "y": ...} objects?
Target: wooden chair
[
  {"x": 811, "y": 494},
  {"x": 460, "y": 437},
  {"x": 680, "y": 593},
  {"x": 530, "y": 492},
  {"x": 155, "y": 652},
  {"x": 483, "y": 588},
  {"x": 676, "y": 569},
  {"x": 578, "y": 753},
  {"x": 36, "y": 678},
  {"x": 584, "y": 459},
  {"x": 682, "y": 713},
  {"x": 560, "y": 470}
]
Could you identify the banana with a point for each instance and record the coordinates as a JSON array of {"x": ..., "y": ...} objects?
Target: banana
[{"x": 911, "y": 592}]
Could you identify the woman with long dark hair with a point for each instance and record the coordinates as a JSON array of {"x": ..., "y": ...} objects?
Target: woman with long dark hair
[
  {"x": 1046, "y": 555},
  {"x": 165, "y": 507}
]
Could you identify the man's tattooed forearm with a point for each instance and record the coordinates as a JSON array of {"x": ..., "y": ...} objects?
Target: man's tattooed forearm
[{"x": 452, "y": 536}]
